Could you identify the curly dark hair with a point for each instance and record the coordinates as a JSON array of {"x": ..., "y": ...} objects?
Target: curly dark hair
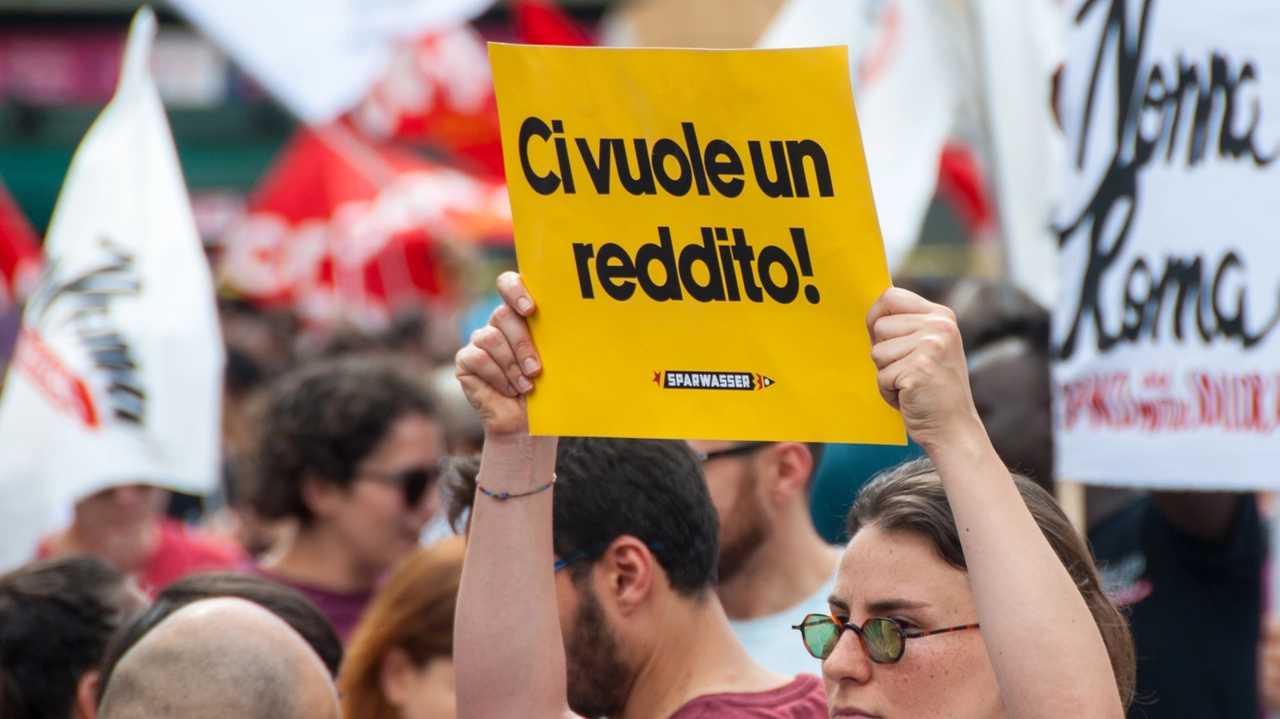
[
  {"x": 653, "y": 490},
  {"x": 322, "y": 420}
]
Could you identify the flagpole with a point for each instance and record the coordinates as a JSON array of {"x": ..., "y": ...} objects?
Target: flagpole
[{"x": 1071, "y": 497}]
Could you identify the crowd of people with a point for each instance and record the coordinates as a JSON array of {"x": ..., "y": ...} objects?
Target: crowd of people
[{"x": 391, "y": 542}]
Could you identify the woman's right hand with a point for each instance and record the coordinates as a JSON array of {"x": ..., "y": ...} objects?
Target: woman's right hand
[{"x": 498, "y": 367}]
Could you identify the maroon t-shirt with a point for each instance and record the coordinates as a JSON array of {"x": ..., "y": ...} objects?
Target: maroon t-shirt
[
  {"x": 803, "y": 698},
  {"x": 342, "y": 609}
]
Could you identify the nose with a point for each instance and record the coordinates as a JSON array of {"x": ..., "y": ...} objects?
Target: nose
[{"x": 848, "y": 662}]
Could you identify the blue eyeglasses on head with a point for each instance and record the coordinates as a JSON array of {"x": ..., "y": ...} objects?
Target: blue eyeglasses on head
[{"x": 562, "y": 563}]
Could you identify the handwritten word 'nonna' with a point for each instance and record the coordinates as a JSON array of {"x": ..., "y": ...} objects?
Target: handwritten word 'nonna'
[
  {"x": 713, "y": 271},
  {"x": 798, "y": 166}
]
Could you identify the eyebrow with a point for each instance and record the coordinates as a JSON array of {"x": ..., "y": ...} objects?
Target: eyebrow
[
  {"x": 881, "y": 607},
  {"x": 893, "y": 605}
]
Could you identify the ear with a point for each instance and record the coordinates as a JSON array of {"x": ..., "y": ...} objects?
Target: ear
[
  {"x": 793, "y": 468},
  {"x": 628, "y": 571},
  {"x": 319, "y": 496},
  {"x": 86, "y": 705},
  {"x": 394, "y": 674}
]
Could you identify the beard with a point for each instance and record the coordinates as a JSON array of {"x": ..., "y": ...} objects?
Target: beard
[
  {"x": 745, "y": 528},
  {"x": 598, "y": 678}
]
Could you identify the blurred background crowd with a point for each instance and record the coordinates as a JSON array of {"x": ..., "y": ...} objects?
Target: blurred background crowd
[{"x": 352, "y": 258}]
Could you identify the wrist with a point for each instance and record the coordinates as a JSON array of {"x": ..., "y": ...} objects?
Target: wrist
[
  {"x": 962, "y": 441},
  {"x": 516, "y": 463},
  {"x": 510, "y": 442}
]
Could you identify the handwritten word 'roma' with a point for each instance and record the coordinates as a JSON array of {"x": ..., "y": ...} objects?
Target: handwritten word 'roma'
[
  {"x": 675, "y": 167},
  {"x": 1239, "y": 403},
  {"x": 1148, "y": 125}
]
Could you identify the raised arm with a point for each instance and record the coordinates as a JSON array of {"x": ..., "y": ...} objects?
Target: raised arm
[
  {"x": 508, "y": 650},
  {"x": 1047, "y": 652}
]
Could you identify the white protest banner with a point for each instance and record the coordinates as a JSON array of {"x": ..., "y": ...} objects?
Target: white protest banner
[
  {"x": 320, "y": 57},
  {"x": 1169, "y": 351},
  {"x": 117, "y": 376}
]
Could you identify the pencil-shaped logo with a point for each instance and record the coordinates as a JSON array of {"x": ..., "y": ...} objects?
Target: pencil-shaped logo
[{"x": 688, "y": 379}]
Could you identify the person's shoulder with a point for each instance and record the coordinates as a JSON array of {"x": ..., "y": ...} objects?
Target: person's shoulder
[
  {"x": 801, "y": 698},
  {"x": 198, "y": 548}
]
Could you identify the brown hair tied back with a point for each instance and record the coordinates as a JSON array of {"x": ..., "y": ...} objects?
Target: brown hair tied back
[{"x": 910, "y": 498}]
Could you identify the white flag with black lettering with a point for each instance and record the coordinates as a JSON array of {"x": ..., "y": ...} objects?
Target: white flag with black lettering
[{"x": 117, "y": 376}]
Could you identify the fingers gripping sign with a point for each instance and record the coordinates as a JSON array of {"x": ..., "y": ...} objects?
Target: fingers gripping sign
[
  {"x": 498, "y": 367},
  {"x": 922, "y": 373}
]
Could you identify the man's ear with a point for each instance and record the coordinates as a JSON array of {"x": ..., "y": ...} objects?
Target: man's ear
[
  {"x": 793, "y": 468},
  {"x": 394, "y": 673},
  {"x": 86, "y": 705},
  {"x": 629, "y": 571},
  {"x": 320, "y": 497}
]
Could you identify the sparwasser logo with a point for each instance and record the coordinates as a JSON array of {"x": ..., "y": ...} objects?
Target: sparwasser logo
[{"x": 684, "y": 379}]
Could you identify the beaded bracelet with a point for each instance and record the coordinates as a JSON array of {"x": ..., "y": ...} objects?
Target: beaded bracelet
[{"x": 508, "y": 495}]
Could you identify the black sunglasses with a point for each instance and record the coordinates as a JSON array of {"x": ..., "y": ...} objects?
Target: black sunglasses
[
  {"x": 746, "y": 448},
  {"x": 414, "y": 481},
  {"x": 883, "y": 639}
]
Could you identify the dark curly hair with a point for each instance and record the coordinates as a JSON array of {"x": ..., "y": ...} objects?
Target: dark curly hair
[
  {"x": 653, "y": 490},
  {"x": 323, "y": 419}
]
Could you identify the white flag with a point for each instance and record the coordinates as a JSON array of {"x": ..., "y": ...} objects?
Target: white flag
[
  {"x": 320, "y": 57},
  {"x": 117, "y": 377},
  {"x": 908, "y": 89}
]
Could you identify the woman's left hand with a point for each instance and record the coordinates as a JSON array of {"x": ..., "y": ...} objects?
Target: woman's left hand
[{"x": 917, "y": 349}]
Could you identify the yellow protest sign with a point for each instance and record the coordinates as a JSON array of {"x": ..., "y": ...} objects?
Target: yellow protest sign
[{"x": 698, "y": 231}]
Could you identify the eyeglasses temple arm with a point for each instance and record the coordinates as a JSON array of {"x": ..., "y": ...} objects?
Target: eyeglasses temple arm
[{"x": 931, "y": 632}]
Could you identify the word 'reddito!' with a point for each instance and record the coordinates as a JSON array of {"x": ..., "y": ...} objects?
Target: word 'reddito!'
[
  {"x": 713, "y": 271},
  {"x": 677, "y": 167}
]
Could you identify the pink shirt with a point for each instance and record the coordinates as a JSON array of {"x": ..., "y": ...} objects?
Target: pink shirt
[{"x": 803, "y": 698}]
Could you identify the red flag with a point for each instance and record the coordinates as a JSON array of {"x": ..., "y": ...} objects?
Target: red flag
[
  {"x": 19, "y": 251},
  {"x": 341, "y": 229},
  {"x": 438, "y": 91},
  {"x": 962, "y": 185},
  {"x": 542, "y": 22}
]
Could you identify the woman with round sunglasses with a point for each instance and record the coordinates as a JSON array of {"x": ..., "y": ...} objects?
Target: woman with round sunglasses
[
  {"x": 350, "y": 449},
  {"x": 963, "y": 590},
  {"x": 962, "y": 593}
]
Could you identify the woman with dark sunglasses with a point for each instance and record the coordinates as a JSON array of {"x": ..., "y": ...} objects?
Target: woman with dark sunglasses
[
  {"x": 349, "y": 449},
  {"x": 954, "y": 590}
]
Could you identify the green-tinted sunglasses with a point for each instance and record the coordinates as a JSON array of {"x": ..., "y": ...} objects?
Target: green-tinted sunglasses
[{"x": 883, "y": 639}]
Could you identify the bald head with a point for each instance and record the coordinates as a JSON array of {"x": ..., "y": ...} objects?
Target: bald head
[{"x": 220, "y": 658}]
